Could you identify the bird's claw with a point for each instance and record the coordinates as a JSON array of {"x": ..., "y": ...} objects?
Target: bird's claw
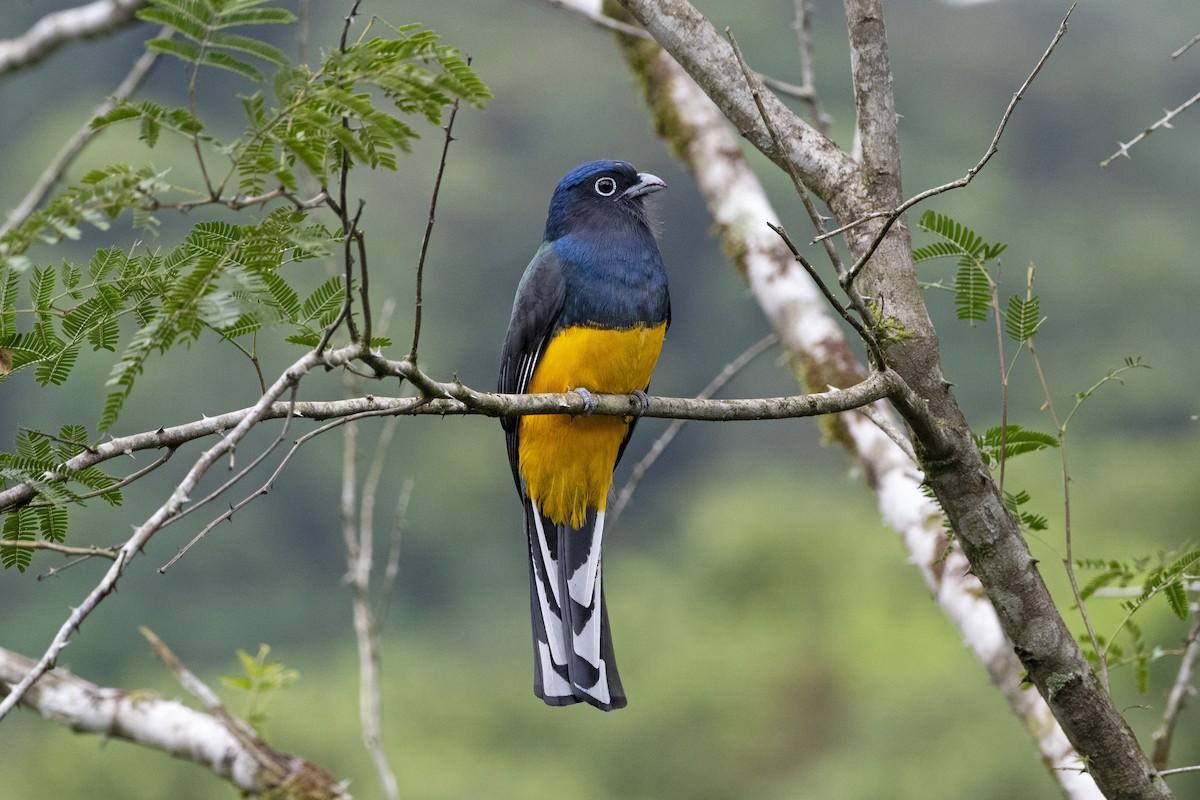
[
  {"x": 643, "y": 401},
  {"x": 589, "y": 401}
]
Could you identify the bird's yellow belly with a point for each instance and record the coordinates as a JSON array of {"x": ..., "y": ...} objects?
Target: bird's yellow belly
[{"x": 567, "y": 462}]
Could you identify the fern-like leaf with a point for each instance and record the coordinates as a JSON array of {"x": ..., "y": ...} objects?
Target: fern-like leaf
[
  {"x": 972, "y": 292},
  {"x": 1016, "y": 440},
  {"x": 1022, "y": 318}
]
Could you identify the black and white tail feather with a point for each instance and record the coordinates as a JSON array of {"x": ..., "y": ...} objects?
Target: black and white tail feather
[{"x": 572, "y": 643}]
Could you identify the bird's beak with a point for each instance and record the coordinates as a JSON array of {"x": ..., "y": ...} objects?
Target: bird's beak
[{"x": 646, "y": 184}]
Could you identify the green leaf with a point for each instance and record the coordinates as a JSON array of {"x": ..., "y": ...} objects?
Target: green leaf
[
  {"x": 20, "y": 525},
  {"x": 1016, "y": 441},
  {"x": 1177, "y": 598},
  {"x": 215, "y": 58},
  {"x": 972, "y": 292},
  {"x": 57, "y": 368},
  {"x": 41, "y": 288},
  {"x": 175, "y": 47},
  {"x": 1022, "y": 318},
  {"x": 326, "y": 300},
  {"x": 960, "y": 241},
  {"x": 253, "y": 47}
]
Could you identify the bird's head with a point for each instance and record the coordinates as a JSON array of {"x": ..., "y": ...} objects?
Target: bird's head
[{"x": 599, "y": 192}]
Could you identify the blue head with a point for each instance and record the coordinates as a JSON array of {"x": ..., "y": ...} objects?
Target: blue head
[{"x": 599, "y": 193}]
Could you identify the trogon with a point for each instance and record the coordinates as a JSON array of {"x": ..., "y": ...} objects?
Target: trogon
[{"x": 589, "y": 317}]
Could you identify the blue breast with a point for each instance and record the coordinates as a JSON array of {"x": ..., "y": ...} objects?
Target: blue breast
[{"x": 615, "y": 277}]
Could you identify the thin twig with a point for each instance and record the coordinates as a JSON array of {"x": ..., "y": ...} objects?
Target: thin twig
[
  {"x": 220, "y": 490},
  {"x": 995, "y": 300},
  {"x": 66, "y": 549},
  {"x": 1186, "y": 47},
  {"x": 392, "y": 565},
  {"x": 1178, "y": 770},
  {"x": 437, "y": 188},
  {"x": 358, "y": 535},
  {"x": 66, "y": 156},
  {"x": 1181, "y": 689},
  {"x": 1164, "y": 122},
  {"x": 1068, "y": 558},
  {"x": 882, "y": 421},
  {"x": 349, "y": 226},
  {"x": 804, "y": 38},
  {"x": 128, "y": 479},
  {"x": 890, "y": 217},
  {"x": 873, "y": 348},
  {"x": 728, "y": 373}
]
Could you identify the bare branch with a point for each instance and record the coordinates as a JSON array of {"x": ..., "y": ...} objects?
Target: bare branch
[
  {"x": 890, "y": 217},
  {"x": 358, "y": 534},
  {"x": 804, "y": 38},
  {"x": 1186, "y": 47},
  {"x": 62, "y": 27},
  {"x": 433, "y": 199},
  {"x": 455, "y": 399},
  {"x": 1181, "y": 689},
  {"x": 58, "y": 547},
  {"x": 701, "y": 50},
  {"x": 143, "y": 718}
]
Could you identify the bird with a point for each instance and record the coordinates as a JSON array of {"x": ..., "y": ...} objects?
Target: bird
[{"x": 589, "y": 316}]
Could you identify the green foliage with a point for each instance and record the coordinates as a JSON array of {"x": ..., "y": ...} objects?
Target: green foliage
[
  {"x": 202, "y": 26},
  {"x": 1023, "y": 318},
  {"x": 1026, "y": 519},
  {"x": 100, "y": 197},
  {"x": 40, "y": 461},
  {"x": 972, "y": 292},
  {"x": 973, "y": 285},
  {"x": 261, "y": 680},
  {"x": 958, "y": 241},
  {"x": 231, "y": 278},
  {"x": 1165, "y": 575},
  {"x": 1012, "y": 440}
]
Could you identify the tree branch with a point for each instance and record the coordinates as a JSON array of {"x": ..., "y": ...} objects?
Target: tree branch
[
  {"x": 178, "y": 498},
  {"x": 817, "y": 350},
  {"x": 953, "y": 467},
  {"x": 61, "y": 27},
  {"x": 455, "y": 399},
  {"x": 1164, "y": 122},
  {"x": 1181, "y": 689},
  {"x": 697, "y": 46},
  {"x": 143, "y": 718},
  {"x": 62, "y": 160}
]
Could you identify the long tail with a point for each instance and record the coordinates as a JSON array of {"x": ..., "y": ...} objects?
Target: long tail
[{"x": 572, "y": 645}]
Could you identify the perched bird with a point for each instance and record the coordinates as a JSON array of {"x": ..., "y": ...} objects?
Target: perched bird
[{"x": 589, "y": 316}]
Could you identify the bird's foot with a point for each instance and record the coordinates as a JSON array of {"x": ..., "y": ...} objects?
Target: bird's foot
[
  {"x": 589, "y": 400},
  {"x": 643, "y": 401}
]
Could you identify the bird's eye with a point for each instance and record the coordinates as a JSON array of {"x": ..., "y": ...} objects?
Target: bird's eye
[{"x": 605, "y": 187}]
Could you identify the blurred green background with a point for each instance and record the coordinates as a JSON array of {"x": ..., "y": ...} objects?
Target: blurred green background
[{"x": 773, "y": 640}]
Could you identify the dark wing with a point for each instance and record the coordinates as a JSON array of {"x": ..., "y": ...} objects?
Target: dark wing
[{"x": 536, "y": 310}]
